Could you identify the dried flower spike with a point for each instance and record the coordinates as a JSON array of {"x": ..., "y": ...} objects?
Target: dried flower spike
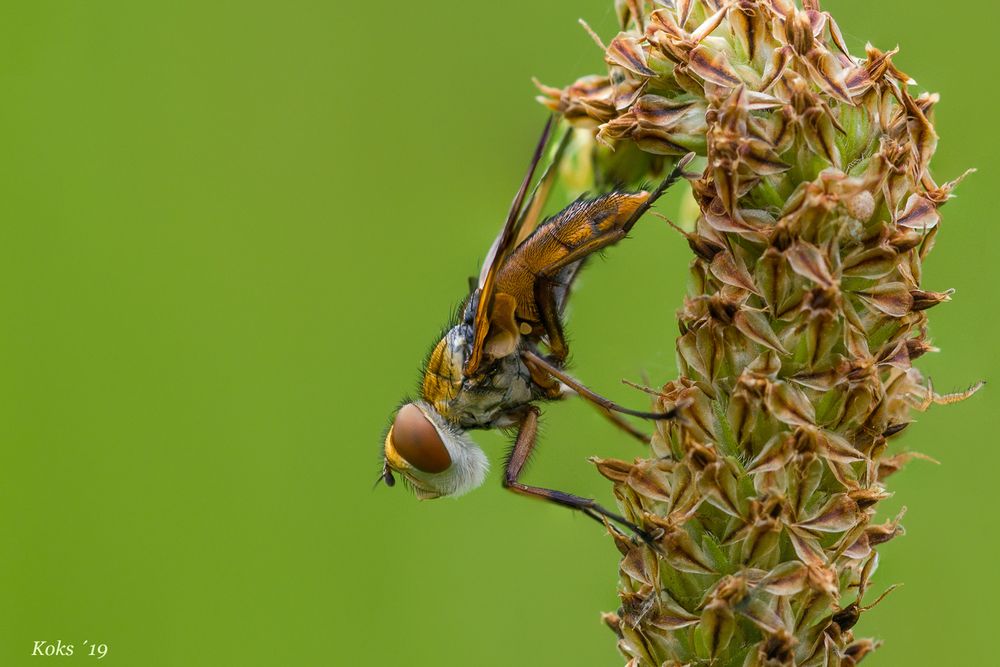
[{"x": 804, "y": 315}]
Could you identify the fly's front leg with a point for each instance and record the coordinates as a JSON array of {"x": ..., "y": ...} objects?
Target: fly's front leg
[{"x": 524, "y": 444}]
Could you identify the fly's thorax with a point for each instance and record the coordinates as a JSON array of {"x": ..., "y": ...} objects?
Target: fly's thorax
[
  {"x": 486, "y": 401},
  {"x": 443, "y": 375},
  {"x": 437, "y": 458},
  {"x": 482, "y": 401}
]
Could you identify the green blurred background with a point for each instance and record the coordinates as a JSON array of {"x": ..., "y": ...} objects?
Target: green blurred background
[{"x": 230, "y": 232}]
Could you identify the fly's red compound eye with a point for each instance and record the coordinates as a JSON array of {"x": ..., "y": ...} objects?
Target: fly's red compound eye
[{"x": 417, "y": 441}]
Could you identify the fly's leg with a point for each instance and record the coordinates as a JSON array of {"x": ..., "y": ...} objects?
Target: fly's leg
[
  {"x": 548, "y": 311},
  {"x": 622, "y": 425},
  {"x": 554, "y": 390},
  {"x": 532, "y": 359},
  {"x": 551, "y": 387},
  {"x": 674, "y": 175},
  {"x": 524, "y": 444}
]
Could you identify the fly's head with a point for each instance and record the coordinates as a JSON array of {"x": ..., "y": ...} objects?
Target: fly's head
[{"x": 434, "y": 457}]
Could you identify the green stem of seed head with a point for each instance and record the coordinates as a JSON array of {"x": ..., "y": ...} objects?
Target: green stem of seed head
[{"x": 815, "y": 211}]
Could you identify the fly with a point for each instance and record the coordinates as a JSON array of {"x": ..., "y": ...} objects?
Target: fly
[{"x": 507, "y": 351}]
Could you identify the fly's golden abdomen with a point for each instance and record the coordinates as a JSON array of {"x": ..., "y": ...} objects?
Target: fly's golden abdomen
[{"x": 556, "y": 249}]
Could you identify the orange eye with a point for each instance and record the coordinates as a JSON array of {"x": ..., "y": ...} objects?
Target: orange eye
[{"x": 417, "y": 441}]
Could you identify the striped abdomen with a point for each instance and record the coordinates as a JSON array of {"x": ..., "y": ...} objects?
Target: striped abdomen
[{"x": 557, "y": 248}]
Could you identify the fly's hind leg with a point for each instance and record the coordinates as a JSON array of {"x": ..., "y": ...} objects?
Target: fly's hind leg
[
  {"x": 623, "y": 425},
  {"x": 524, "y": 444},
  {"x": 548, "y": 310},
  {"x": 537, "y": 365}
]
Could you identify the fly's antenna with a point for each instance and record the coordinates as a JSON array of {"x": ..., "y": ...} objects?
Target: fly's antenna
[{"x": 384, "y": 476}]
